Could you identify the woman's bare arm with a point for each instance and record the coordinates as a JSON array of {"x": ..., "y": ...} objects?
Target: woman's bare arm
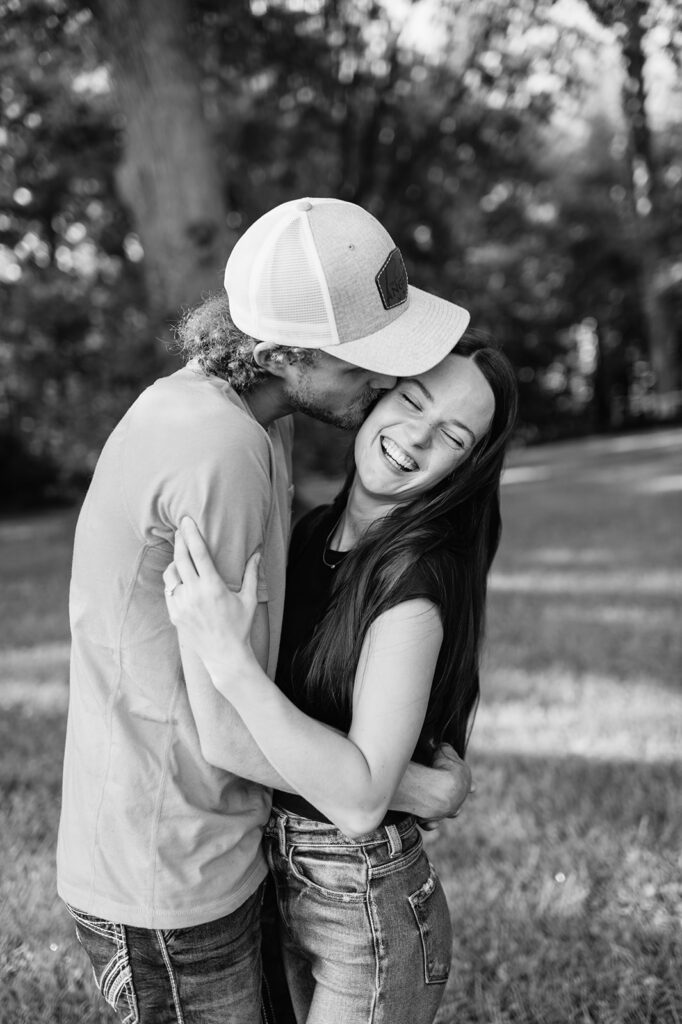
[{"x": 351, "y": 779}]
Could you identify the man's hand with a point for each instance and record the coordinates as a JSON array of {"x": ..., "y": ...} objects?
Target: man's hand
[
  {"x": 431, "y": 794},
  {"x": 453, "y": 786}
]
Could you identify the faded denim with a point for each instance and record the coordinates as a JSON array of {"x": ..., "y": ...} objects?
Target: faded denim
[
  {"x": 365, "y": 927},
  {"x": 206, "y": 974}
]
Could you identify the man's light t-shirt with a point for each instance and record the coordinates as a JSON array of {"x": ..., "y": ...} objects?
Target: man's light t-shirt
[{"x": 151, "y": 835}]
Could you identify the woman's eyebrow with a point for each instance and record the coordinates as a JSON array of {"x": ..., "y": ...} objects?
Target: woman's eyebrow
[{"x": 422, "y": 387}]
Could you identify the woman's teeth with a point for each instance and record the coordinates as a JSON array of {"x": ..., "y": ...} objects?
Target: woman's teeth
[{"x": 397, "y": 456}]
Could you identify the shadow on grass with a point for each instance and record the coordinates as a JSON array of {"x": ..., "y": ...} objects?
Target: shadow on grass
[
  {"x": 44, "y": 977},
  {"x": 563, "y": 876},
  {"x": 564, "y": 871}
]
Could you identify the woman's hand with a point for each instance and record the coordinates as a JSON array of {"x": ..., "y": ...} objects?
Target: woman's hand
[{"x": 210, "y": 618}]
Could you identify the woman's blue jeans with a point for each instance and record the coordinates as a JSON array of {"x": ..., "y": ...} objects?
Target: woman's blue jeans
[
  {"x": 365, "y": 927},
  {"x": 207, "y": 974}
]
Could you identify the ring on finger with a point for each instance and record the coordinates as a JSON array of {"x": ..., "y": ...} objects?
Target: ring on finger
[{"x": 169, "y": 591}]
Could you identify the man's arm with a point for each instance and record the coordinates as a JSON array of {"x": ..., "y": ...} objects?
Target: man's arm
[
  {"x": 225, "y": 741},
  {"x": 232, "y": 521},
  {"x": 217, "y": 470},
  {"x": 430, "y": 794},
  {"x": 436, "y": 792}
]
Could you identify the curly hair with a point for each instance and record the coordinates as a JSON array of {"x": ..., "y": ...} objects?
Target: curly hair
[{"x": 208, "y": 334}]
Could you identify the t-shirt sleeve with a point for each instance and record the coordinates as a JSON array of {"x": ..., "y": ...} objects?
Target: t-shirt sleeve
[
  {"x": 212, "y": 465},
  {"x": 417, "y": 580}
]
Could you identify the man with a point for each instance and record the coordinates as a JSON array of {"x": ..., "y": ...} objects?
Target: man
[{"x": 165, "y": 793}]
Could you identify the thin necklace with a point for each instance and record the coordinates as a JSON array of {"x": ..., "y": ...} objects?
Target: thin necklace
[{"x": 325, "y": 549}]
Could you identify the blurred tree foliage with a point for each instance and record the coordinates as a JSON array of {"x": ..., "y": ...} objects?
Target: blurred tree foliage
[{"x": 138, "y": 137}]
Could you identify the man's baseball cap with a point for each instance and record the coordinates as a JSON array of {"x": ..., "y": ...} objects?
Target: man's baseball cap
[{"x": 325, "y": 274}]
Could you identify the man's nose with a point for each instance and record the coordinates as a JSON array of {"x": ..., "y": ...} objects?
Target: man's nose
[{"x": 382, "y": 382}]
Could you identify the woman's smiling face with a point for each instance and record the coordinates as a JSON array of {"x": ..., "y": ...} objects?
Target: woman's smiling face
[{"x": 419, "y": 432}]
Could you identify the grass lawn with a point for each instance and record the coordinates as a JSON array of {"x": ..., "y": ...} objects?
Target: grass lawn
[{"x": 564, "y": 871}]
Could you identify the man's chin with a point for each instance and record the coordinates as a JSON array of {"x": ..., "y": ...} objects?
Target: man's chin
[{"x": 349, "y": 418}]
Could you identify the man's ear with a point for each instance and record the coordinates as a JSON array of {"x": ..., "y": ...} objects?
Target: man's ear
[{"x": 268, "y": 356}]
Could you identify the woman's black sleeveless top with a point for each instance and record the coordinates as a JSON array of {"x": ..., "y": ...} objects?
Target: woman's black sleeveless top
[{"x": 308, "y": 592}]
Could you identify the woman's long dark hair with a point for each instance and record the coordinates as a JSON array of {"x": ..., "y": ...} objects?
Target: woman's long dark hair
[{"x": 449, "y": 536}]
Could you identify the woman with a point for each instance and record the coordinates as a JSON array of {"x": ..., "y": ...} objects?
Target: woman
[{"x": 385, "y": 602}]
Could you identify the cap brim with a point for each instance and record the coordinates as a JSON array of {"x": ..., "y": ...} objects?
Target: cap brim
[{"x": 416, "y": 341}]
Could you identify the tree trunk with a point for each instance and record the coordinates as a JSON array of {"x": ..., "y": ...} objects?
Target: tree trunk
[
  {"x": 661, "y": 339},
  {"x": 169, "y": 176}
]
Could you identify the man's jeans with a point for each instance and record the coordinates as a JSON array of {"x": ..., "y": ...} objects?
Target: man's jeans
[
  {"x": 365, "y": 925},
  {"x": 208, "y": 974}
]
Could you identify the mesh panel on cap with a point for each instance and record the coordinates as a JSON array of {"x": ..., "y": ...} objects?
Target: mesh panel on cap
[{"x": 290, "y": 294}]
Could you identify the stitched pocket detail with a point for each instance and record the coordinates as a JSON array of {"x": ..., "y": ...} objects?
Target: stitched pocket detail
[
  {"x": 332, "y": 878},
  {"x": 105, "y": 929},
  {"x": 115, "y": 982},
  {"x": 107, "y": 948},
  {"x": 430, "y": 910}
]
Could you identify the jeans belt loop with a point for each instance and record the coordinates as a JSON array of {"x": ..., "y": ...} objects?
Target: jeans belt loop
[
  {"x": 395, "y": 843},
  {"x": 282, "y": 833}
]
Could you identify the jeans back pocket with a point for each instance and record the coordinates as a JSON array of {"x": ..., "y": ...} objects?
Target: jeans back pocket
[
  {"x": 430, "y": 909},
  {"x": 107, "y": 949}
]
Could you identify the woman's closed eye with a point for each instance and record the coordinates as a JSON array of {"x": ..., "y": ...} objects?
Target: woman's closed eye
[
  {"x": 410, "y": 401},
  {"x": 455, "y": 442},
  {"x": 450, "y": 439}
]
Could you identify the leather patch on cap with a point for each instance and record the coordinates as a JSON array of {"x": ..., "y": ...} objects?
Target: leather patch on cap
[{"x": 392, "y": 281}]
